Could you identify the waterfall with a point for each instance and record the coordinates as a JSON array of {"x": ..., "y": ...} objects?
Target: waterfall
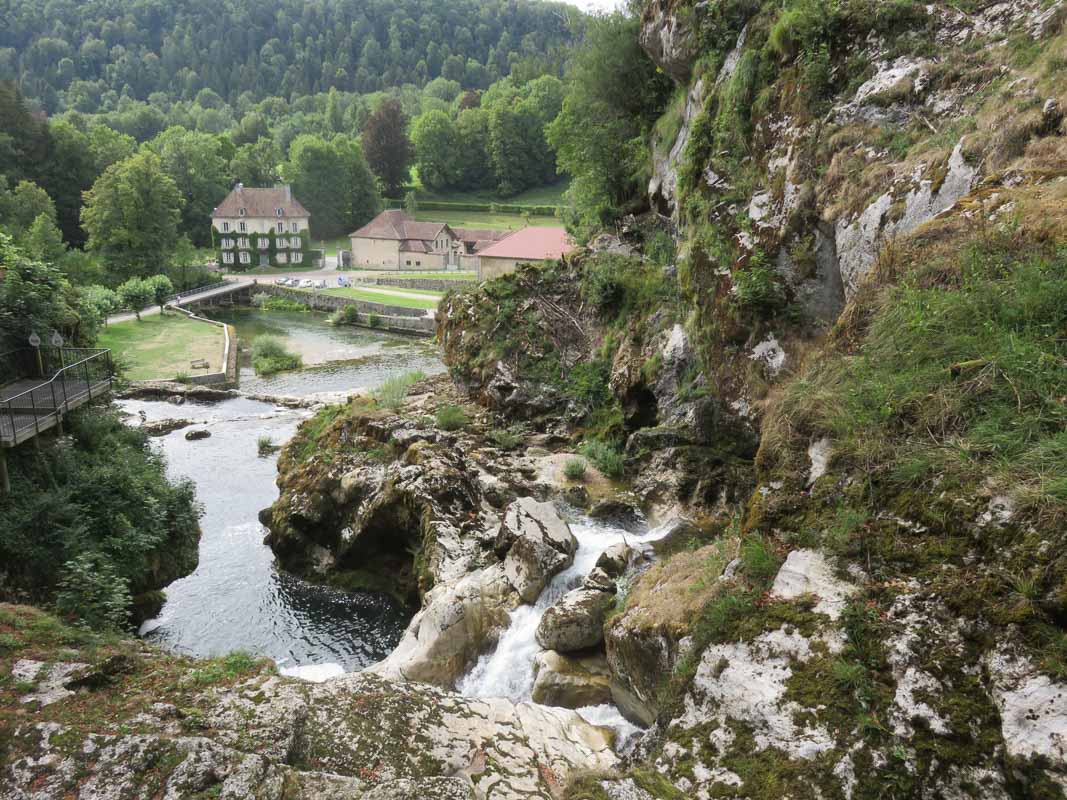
[{"x": 508, "y": 671}]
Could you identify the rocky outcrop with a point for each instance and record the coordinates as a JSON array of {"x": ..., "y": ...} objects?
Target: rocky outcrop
[
  {"x": 670, "y": 42},
  {"x": 263, "y": 736},
  {"x": 645, "y": 641},
  {"x": 536, "y": 544}
]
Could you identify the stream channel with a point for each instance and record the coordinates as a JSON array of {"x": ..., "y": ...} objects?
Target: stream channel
[{"x": 238, "y": 599}]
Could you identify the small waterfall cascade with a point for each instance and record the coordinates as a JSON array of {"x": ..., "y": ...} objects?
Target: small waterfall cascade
[{"x": 508, "y": 670}]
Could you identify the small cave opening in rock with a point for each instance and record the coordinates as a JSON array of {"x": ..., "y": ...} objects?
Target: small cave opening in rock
[
  {"x": 387, "y": 553},
  {"x": 641, "y": 409}
]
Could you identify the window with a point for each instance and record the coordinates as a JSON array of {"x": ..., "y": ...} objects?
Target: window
[
  {"x": 407, "y": 263},
  {"x": 278, "y": 212},
  {"x": 294, "y": 242},
  {"x": 241, "y": 226},
  {"x": 281, "y": 226},
  {"x": 225, "y": 227},
  {"x": 281, "y": 242},
  {"x": 242, "y": 212},
  {"x": 263, "y": 242},
  {"x": 243, "y": 242},
  {"x": 418, "y": 263},
  {"x": 245, "y": 258},
  {"x": 282, "y": 258},
  {"x": 227, "y": 258},
  {"x": 227, "y": 244},
  {"x": 292, "y": 227},
  {"x": 296, "y": 258}
]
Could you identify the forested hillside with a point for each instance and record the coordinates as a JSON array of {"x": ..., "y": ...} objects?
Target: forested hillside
[{"x": 87, "y": 56}]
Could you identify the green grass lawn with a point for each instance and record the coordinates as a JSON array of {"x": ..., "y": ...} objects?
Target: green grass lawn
[
  {"x": 486, "y": 219},
  {"x": 389, "y": 299},
  {"x": 447, "y": 276},
  {"x": 551, "y": 195},
  {"x": 162, "y": 346}
]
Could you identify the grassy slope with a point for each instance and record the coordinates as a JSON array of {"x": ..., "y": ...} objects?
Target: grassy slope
[
  {"x": 162, "y": 346},
  {"x": 551, "y": 195}
]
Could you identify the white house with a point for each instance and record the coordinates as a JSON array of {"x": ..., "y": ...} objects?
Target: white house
[{"x": 261, "y": 228}]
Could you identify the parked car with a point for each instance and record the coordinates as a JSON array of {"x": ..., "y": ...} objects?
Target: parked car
[
  {"x": 320, "y": 284},
  {"x": 343, "y": 281},
  {"x": 307, "y": 283},
  {"x": 282, "y": 281}
]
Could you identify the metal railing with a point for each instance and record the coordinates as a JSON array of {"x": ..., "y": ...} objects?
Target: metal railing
[
  {"x": 77, "y": 376},
  {"x": 197, "y": 290}
]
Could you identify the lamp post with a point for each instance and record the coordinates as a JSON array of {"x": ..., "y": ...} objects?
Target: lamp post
[
  {"x": 35, "y": 343},
  {"x": 57, "y": 343}
]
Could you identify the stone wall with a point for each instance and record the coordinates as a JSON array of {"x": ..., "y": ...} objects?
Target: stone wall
[
  {"x": 228, "y": 376},
  {"x": 393, "y": 318},
  {"x": 427, "y": 284}
]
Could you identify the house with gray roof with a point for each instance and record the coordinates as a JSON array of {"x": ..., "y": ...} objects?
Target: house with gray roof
[{"x": 261, "y": 228}]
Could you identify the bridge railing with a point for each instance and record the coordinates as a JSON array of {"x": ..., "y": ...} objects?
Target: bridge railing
[
  {"x": 77, "y": 376},
  {"x": 189, "y": 292}
]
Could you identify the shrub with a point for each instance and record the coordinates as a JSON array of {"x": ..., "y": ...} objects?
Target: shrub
[
  {"x": 265, "y": 446},
  {"x": 504, "y": 439},
  {"x": 575, "y": 469},
  {"x": 451, "y": 418},
  {"x": 92, "y": 593},
  {"x": 757, "y": 290},
  {"x": 346, "y": 315},
  {"x": 374, "y": 320},
  {"x": 269, "y": 355},
  {"x": 606, "y": 458},
  {"x": 391, "y": 393}
]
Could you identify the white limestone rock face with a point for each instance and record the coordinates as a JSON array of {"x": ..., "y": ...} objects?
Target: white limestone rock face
[
  {"x": 808, "y": 572},
  {"x": 859, "y": 239},
  {"x": 356, "y": 737},
  {"x": 538, "y": 543},
  {"x": 1033, "y": 711}
]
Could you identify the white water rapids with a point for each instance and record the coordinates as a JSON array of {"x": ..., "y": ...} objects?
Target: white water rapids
[{"x": 508, "y": 670}]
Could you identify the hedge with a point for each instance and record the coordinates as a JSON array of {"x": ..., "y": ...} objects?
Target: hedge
[{"x": 488, "y": 208}]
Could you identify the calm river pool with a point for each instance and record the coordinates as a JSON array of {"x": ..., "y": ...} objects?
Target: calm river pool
[{"x": 237, "y": 599}]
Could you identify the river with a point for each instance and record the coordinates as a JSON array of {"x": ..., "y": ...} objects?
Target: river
[{"x": 237, "y": 598}]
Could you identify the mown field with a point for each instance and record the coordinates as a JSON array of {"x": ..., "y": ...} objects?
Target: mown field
[{"x": 163, "y": 346}]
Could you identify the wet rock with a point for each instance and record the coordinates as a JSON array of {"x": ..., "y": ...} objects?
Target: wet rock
[
  {"x": 615, "y": 559},
  {"x": 576, "y": 620},
  {"x": 538, "y": 544},
  {"x": 456, "y": 624},
  {"x": 618, "y": 512},
  {"x": 162, "y": 427},
  {"x": 193, "y": 436},
  {"x": 518, "y": 398},
  {"x": 571, "y": 681},
  {"x": 577, "y": 496}
]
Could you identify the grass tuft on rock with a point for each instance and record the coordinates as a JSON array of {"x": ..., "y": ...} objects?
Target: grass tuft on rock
[{"x": 393, "y": 390}]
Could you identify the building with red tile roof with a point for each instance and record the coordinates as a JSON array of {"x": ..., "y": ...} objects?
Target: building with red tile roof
[
  {"x": 526, "y": 246},
  {"x": 393, "y": 240}
]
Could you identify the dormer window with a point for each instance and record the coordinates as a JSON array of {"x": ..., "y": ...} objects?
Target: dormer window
[
  {"x": 279, "y": 212},
  {"x": 242, "y": 212}
]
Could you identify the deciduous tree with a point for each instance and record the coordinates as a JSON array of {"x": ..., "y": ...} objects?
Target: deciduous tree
[
  {"x": 132, "y": 214},
  {"x": 387, "y": 148}
]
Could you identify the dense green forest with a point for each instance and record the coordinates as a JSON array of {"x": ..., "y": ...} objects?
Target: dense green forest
[
  {"x": 90, "y": 56},
  {"x": 111, "y": 171}
]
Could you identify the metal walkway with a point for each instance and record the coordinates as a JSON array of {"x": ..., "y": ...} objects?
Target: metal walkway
[{"x": 30, "y": 405}]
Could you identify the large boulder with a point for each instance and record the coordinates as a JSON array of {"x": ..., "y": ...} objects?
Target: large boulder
[
  {"x": 576, "y": 620},
  {"x": 457, "y": 623},
  {"x": 645, "y": 641},
  {"x": 571, "y": 681},
  {"x": 538, "y": 544}
]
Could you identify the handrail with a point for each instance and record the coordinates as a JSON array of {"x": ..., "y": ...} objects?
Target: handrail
[
  {"x": 99, "y": 352},
  {"x": 198, "y": 290}
]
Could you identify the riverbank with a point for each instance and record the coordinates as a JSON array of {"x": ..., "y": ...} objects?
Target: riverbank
[{"x": 165, "y": 346}]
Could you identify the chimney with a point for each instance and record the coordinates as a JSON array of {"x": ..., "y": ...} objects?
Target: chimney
[
  {"x": 240, "y": 187},
  {"x": 288, "y": 193}
]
